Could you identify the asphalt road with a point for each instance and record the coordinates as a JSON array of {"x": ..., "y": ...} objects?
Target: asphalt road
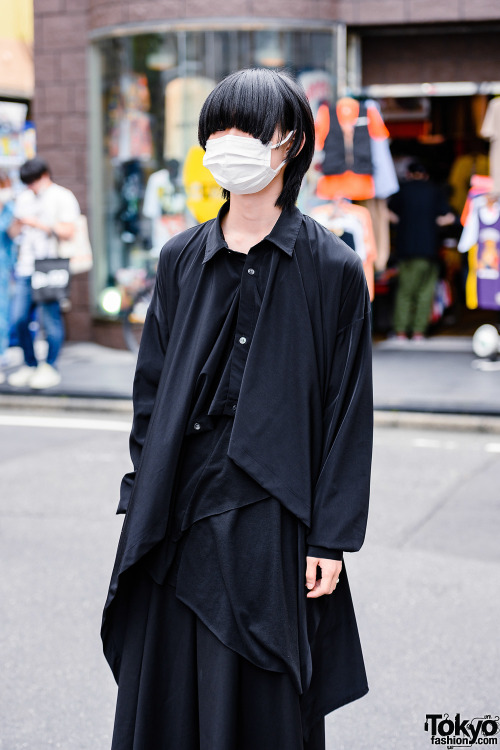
[{"x": 425, "y": 585}]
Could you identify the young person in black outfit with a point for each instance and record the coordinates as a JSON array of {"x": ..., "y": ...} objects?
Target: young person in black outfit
[{"x": 229, "y": 622}]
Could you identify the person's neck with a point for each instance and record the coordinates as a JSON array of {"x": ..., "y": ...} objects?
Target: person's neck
[{"x": 250, "y": 218}]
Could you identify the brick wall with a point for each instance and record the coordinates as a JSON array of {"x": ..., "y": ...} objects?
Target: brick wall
[
  {"x": 60, "y": 111},
  {"x": 414, "y": 59},
  {"x": 110, "y": 12},
  {"x": 385, "y": 12}
]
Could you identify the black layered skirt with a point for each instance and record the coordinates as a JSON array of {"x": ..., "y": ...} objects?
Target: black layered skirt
[
  {"x": 223, "y": 657},
  {"x": 220, "y": 648},
  {"x": 183, "y": 689}
]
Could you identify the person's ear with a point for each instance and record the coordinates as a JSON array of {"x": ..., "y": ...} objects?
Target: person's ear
[{"x": 290, "y": 144}]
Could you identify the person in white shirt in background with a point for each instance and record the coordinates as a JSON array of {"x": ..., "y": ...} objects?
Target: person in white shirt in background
[{"x": 45, "y": 214}]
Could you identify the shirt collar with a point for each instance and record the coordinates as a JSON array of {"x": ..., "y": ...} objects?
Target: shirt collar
[{"x": 283, "y": 234}]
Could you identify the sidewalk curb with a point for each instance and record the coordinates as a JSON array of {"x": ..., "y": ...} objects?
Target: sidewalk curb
[
  {"x": 66, "y": 403},
  {"x": 437, "y": 421},
  {"x": 383, "y": 418}
]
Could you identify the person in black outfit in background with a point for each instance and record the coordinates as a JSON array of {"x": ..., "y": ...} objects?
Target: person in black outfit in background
[
  {"x": 229, "y": 622},
  {"x": 418, "y": 209}
]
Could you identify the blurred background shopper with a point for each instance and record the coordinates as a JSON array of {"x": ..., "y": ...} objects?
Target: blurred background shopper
[
  {"x": 45, "y": 214},
  {"x": 229, "y": 621},
  {"x": 418, "y": 209}
]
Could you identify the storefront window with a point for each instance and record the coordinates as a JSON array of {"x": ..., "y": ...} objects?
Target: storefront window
[{"x": 152, "y": 86}]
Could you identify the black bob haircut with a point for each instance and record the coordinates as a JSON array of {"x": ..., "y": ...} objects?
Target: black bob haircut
[
  {"x": 33, "y": 169},
  {"x": 257, "y": 101}
]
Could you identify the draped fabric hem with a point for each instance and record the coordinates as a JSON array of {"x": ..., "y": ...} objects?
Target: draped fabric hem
[
  {"x": 328, "y": 708},
  {"x": 129, "y": 559},
  {"x": 182, "y": 689},
  {"x": 206, "y": 622}
]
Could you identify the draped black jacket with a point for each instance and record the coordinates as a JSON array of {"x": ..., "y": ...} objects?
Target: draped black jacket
[{"x": 304, "y": 418}]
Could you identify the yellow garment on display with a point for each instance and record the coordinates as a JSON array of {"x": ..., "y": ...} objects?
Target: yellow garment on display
[
  {"x": 471, "y": 283},
  {"x": 203, "y": 195}
]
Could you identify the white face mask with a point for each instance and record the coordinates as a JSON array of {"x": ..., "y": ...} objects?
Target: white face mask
[{"x": 241, "y": 165}]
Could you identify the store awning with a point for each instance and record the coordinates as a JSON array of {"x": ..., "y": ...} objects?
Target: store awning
[
  {"x": 441, "y": 88},
  {"x": 17, "y": 79}
]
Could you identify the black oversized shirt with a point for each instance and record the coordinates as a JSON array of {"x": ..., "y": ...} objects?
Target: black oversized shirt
[
  {"x": 303, "y": 423},
  {"x": 208, "y": 481},
  {"x": 301, "y": 431},
  {"x": 303, "y": 419}
]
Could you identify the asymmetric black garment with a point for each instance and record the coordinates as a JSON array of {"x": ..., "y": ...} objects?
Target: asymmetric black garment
[{"x": 220, "y": 649}]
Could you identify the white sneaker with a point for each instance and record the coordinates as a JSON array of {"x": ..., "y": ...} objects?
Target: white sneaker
[
  {"x": 20, "y": 378},
  {"x": 45, "y": 376}
]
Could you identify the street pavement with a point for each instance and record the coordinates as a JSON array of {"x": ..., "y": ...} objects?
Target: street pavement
[
  {"x": 88, "y": 371},
  {"x": 440, "y": 375},
  {"x": 424, "y": 585}
]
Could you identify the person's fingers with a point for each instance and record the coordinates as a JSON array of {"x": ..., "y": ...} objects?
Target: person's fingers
[
  {"x": 322, "y": 587},
  {"x": 312, "y": 564},
  {"x": 330, "y": 571}
]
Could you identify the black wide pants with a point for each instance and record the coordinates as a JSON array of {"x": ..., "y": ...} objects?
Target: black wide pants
[{"x": 182, "y": 689}]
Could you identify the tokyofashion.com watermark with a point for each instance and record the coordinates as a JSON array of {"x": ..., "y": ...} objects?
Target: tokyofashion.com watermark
[{"x": 459, "y": 732}]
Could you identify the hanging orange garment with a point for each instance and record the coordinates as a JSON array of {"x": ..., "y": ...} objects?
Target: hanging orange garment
[
  {"x": 322, "y": 126},
  {"x": 349, "y": 184},
  {"x": 480, "y": 185},
  {"x": 376, "y": 125}
]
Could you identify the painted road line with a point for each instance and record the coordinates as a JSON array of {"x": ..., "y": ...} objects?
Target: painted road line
[
  {"x": 492, "y": 447},
  {"x": 448, "y": 445},
  {"x": 71, "y": 423}
]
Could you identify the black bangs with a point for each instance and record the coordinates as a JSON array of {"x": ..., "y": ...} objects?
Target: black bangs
[
  {"x": 251, "y": 100},
  {"x": 257, "y": 101}
]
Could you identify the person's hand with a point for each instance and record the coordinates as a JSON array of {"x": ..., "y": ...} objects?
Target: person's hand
[
  {"x": 446, "y": 220},
  {"x": 34, "y": 223},
  {"x": 330, "y": 571},
  {"x": 15, "y": 228}
]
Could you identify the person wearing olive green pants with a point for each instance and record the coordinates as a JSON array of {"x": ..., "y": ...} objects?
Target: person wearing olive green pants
[
  {"x": 416, "y": 284},
  {"x": 418, "y": 209}
]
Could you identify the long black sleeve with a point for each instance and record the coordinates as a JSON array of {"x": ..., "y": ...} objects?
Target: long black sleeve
[
  {"x": 341, "y": 495},
  {"x": 150, "y": 360}
]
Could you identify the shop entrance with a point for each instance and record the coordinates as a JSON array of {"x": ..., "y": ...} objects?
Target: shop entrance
[{"x": 441, "y": 132}]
